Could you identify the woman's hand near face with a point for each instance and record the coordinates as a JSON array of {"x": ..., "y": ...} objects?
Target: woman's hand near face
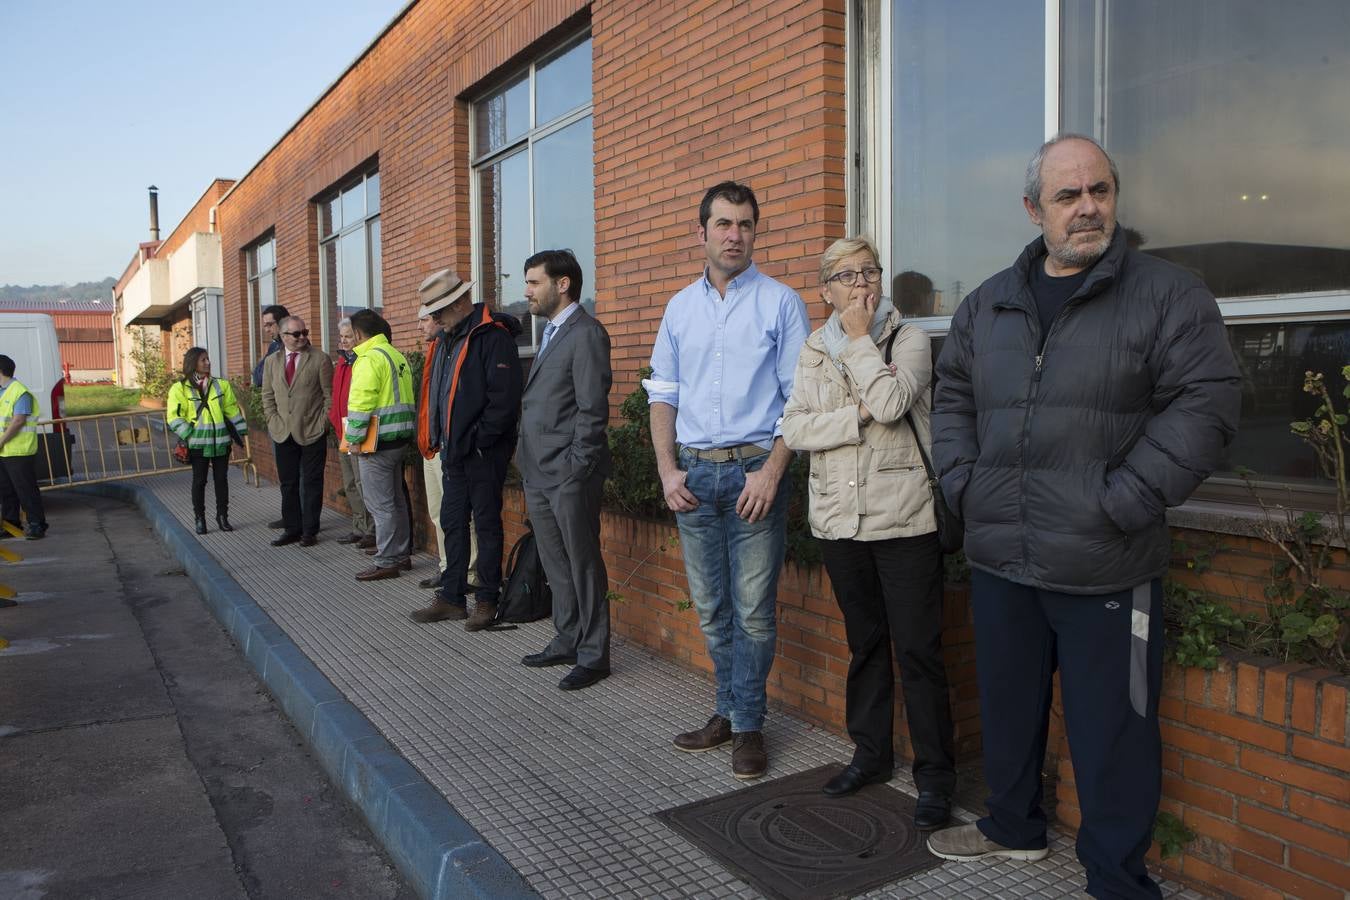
[{"x": 856, "y": 319}]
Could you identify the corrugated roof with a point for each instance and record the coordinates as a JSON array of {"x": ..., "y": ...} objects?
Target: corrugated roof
[{"x": 105, "y": 306}]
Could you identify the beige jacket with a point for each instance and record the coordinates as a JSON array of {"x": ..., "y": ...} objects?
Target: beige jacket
[
  {"x": 867, "y": 481},
  {"x": 297, "y": 410}
]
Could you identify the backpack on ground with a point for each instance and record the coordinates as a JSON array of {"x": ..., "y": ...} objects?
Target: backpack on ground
[{"x": 525, "y": 595}]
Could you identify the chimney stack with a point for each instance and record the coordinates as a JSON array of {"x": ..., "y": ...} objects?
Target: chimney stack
[{"x": 154, "y": 213}]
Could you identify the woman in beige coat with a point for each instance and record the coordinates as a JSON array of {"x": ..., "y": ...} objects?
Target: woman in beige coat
[{"x": 871, "y": 508}]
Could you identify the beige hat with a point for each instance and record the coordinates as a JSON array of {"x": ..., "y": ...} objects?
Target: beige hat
[{"x": 440, "y": 290}]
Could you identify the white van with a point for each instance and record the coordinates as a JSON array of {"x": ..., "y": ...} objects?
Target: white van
[{"x": 30, "y": 340}]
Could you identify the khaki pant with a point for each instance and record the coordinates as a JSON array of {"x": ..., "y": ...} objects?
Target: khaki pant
[
  {"x": 433, "y": 480},
  {"x": 351, "y": 487}
]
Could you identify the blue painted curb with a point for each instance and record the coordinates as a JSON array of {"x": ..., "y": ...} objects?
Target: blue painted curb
[{"x": 433, "y": 846}]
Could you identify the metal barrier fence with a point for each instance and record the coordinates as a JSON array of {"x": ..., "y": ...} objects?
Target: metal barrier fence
[{"x": 115, "y": 446}]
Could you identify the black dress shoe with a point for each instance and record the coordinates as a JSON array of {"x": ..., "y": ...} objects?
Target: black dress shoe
[
  {"x": 286, "y": 539},
  {"x": 852, "y": 780},
  {"x": 582, "y": 677},
  {"x": 223, "y": 521},
  {"x": 545, "y": 659},
  {"x": 932, "y": 811},
  {"x": 201, "y": 524},
  {"x": 431, "y": 582},
  {"x": 308, "y": 540},
  {"x": 277, "y": 523}
]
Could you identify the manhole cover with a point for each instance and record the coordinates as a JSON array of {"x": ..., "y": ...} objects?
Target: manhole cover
[{"x": 792, "y": 842}]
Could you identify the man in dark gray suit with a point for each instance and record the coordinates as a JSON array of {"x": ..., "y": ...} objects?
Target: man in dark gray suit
[{"x": 564, "y": 459}]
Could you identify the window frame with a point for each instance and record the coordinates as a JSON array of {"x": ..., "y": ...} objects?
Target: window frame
[
  {"x": 871, "y": 60},
  {"x": 252, "y": 276},
  {"x": 327, "y": 292},
  {"x": 521, "y": 144}
]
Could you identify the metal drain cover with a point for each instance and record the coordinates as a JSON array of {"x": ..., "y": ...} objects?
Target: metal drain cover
[{"x": 792, "y": 842}]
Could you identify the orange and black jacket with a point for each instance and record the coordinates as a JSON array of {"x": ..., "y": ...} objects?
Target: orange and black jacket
[{"x": 471, "y": 377}]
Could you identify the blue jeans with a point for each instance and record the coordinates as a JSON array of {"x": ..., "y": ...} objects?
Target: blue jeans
[{"x": 733, "y": 569}]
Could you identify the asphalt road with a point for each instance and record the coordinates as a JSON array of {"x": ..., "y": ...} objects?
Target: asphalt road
[{"x": 139, "y": 756}]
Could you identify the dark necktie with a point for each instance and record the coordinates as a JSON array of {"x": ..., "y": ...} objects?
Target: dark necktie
[{"x": 290, "y": 367}]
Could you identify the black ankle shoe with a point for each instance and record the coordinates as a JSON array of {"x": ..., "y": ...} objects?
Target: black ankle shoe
[
  {"x": 223, "y": 520},
  {"x": 852, "y": 780},
  {"x": 932, "y": 810},
  {"x": 201, "y": 524}
]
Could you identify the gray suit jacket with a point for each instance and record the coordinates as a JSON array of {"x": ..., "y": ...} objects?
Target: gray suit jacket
[
  {"x": 300, "y": 409},
  {"x": 565, "y": 409}
]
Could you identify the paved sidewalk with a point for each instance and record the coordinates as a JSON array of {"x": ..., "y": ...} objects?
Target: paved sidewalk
[{"x": 563, "y": 785}]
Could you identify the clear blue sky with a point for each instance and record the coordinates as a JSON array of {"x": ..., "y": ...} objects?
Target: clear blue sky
[{"x": 99, "y": 100}]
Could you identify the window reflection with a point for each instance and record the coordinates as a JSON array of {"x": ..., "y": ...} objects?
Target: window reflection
[
  {"x": 503, "y": 117},
  {"x": 564, "y": 199},
  {"x": 968, "y": 113},
  {"x": 1273, "y": 358},
  {"x": 563, "y": 84},
  {"x": 1229, "y": 120},
  {"x": 505, "y": 210}
]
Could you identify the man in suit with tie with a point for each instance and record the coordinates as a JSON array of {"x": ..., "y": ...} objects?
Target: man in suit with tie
[
  {"x": 564, "y": 459},
  {"x": 297, "y": 387}
]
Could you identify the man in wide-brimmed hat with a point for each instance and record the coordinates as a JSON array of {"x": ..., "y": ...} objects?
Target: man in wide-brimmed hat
[
  {"x": 438, "y": 293},
  {"x": 466, "y": 425}
]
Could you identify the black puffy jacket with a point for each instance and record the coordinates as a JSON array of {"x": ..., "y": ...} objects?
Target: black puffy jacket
[
  {"x": 1064, "y": 462},
  {"x": 480, "y": 378}
]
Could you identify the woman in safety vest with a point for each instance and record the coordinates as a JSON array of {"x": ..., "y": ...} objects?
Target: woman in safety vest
[{"x": 200, "y": 410}]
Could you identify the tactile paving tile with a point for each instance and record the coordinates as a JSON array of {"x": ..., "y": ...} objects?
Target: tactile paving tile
[{"x": 562, "y": 785}]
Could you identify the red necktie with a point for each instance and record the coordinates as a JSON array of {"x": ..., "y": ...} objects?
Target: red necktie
[{"x": 290, "y": 367}]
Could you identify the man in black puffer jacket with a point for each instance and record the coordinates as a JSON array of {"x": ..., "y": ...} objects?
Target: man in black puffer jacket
[{"x": 1079, "y": 394}]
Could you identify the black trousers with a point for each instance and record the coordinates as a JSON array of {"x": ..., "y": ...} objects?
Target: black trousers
[
  {"x": 890, "y": 592},
  {"x": 473, "y": 486},
  {"x": 1109, "y": 652},
  {"x": 220, "y": 470},
  {"x": 19, "y": 490},
  {"x": 300, "y": 471}
]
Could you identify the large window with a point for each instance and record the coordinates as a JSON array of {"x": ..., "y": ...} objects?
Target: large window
[
  {"x": 533, "y": 179},
  {"x": 349, "y": 251},
  {"x": 1229, "y": 120},
  {"x": 260, "y": 264}
]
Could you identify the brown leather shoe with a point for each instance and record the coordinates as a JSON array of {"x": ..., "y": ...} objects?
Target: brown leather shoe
[
  {"x": 375, "y": 573},
  {"x": 405, "y": 564},
  {"x": 748, "y": 757},
  {"x": 431, "y": 582},
  {"x": 353, "y": 538},
  {"x": 366, "y": 542},
  {"x": 439, "y": 611},
  {"x": 716, "y": 733},
  {"x": 483, "y": 614}
]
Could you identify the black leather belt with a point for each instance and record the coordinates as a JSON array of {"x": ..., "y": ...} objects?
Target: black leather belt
[{"x": 727, "y": 454}]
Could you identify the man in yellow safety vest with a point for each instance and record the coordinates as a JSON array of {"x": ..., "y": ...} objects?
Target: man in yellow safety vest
[{"x": 18, "y": 446}]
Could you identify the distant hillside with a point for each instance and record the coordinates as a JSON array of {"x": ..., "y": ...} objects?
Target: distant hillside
[{"x": 85, "y": 290}]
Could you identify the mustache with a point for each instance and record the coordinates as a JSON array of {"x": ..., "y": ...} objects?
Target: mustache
[{"x": 1093, "y": 224}]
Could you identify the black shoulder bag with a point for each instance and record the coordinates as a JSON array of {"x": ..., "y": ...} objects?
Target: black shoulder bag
[{"x": 950, "y": 529}]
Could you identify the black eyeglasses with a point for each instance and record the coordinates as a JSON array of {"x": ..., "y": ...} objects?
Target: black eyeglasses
[
  {"x": 297, "y": 334},
  {"x": 849, "y": 278}
]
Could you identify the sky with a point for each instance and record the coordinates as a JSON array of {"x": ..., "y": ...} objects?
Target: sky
[{"x": 99, "y": 100}]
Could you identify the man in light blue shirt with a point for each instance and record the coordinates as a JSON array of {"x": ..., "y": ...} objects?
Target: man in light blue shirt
[{"x": 722, "y": 371}]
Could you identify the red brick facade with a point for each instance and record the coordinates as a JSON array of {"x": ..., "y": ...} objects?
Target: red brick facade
[{"x": 685, "y": 95}]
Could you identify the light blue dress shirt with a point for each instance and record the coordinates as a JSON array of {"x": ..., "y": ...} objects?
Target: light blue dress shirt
[
  {"x": 554, "y": 324},
  {"x": 726, "y": 364}
]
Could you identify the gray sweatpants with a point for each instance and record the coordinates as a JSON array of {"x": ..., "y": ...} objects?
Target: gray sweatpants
[{"x": 380, "y": 474}]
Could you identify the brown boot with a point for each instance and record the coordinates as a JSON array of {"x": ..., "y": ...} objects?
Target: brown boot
[
  {"x": 439, "y": 611},
  {"x": 716, "y": 733},
  {"x": 749, "y": 759},
  {"x": 483, "y": 614}
]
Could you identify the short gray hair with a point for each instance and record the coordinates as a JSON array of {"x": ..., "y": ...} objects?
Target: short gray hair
[
  {"x": 840, "y": 250},
  {"x": 345, "y": 320},
  {"x": 1031, "y": 188}
]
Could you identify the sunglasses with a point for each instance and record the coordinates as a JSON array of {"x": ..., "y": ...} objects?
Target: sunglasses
[{"x": 297, "y": 334}]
